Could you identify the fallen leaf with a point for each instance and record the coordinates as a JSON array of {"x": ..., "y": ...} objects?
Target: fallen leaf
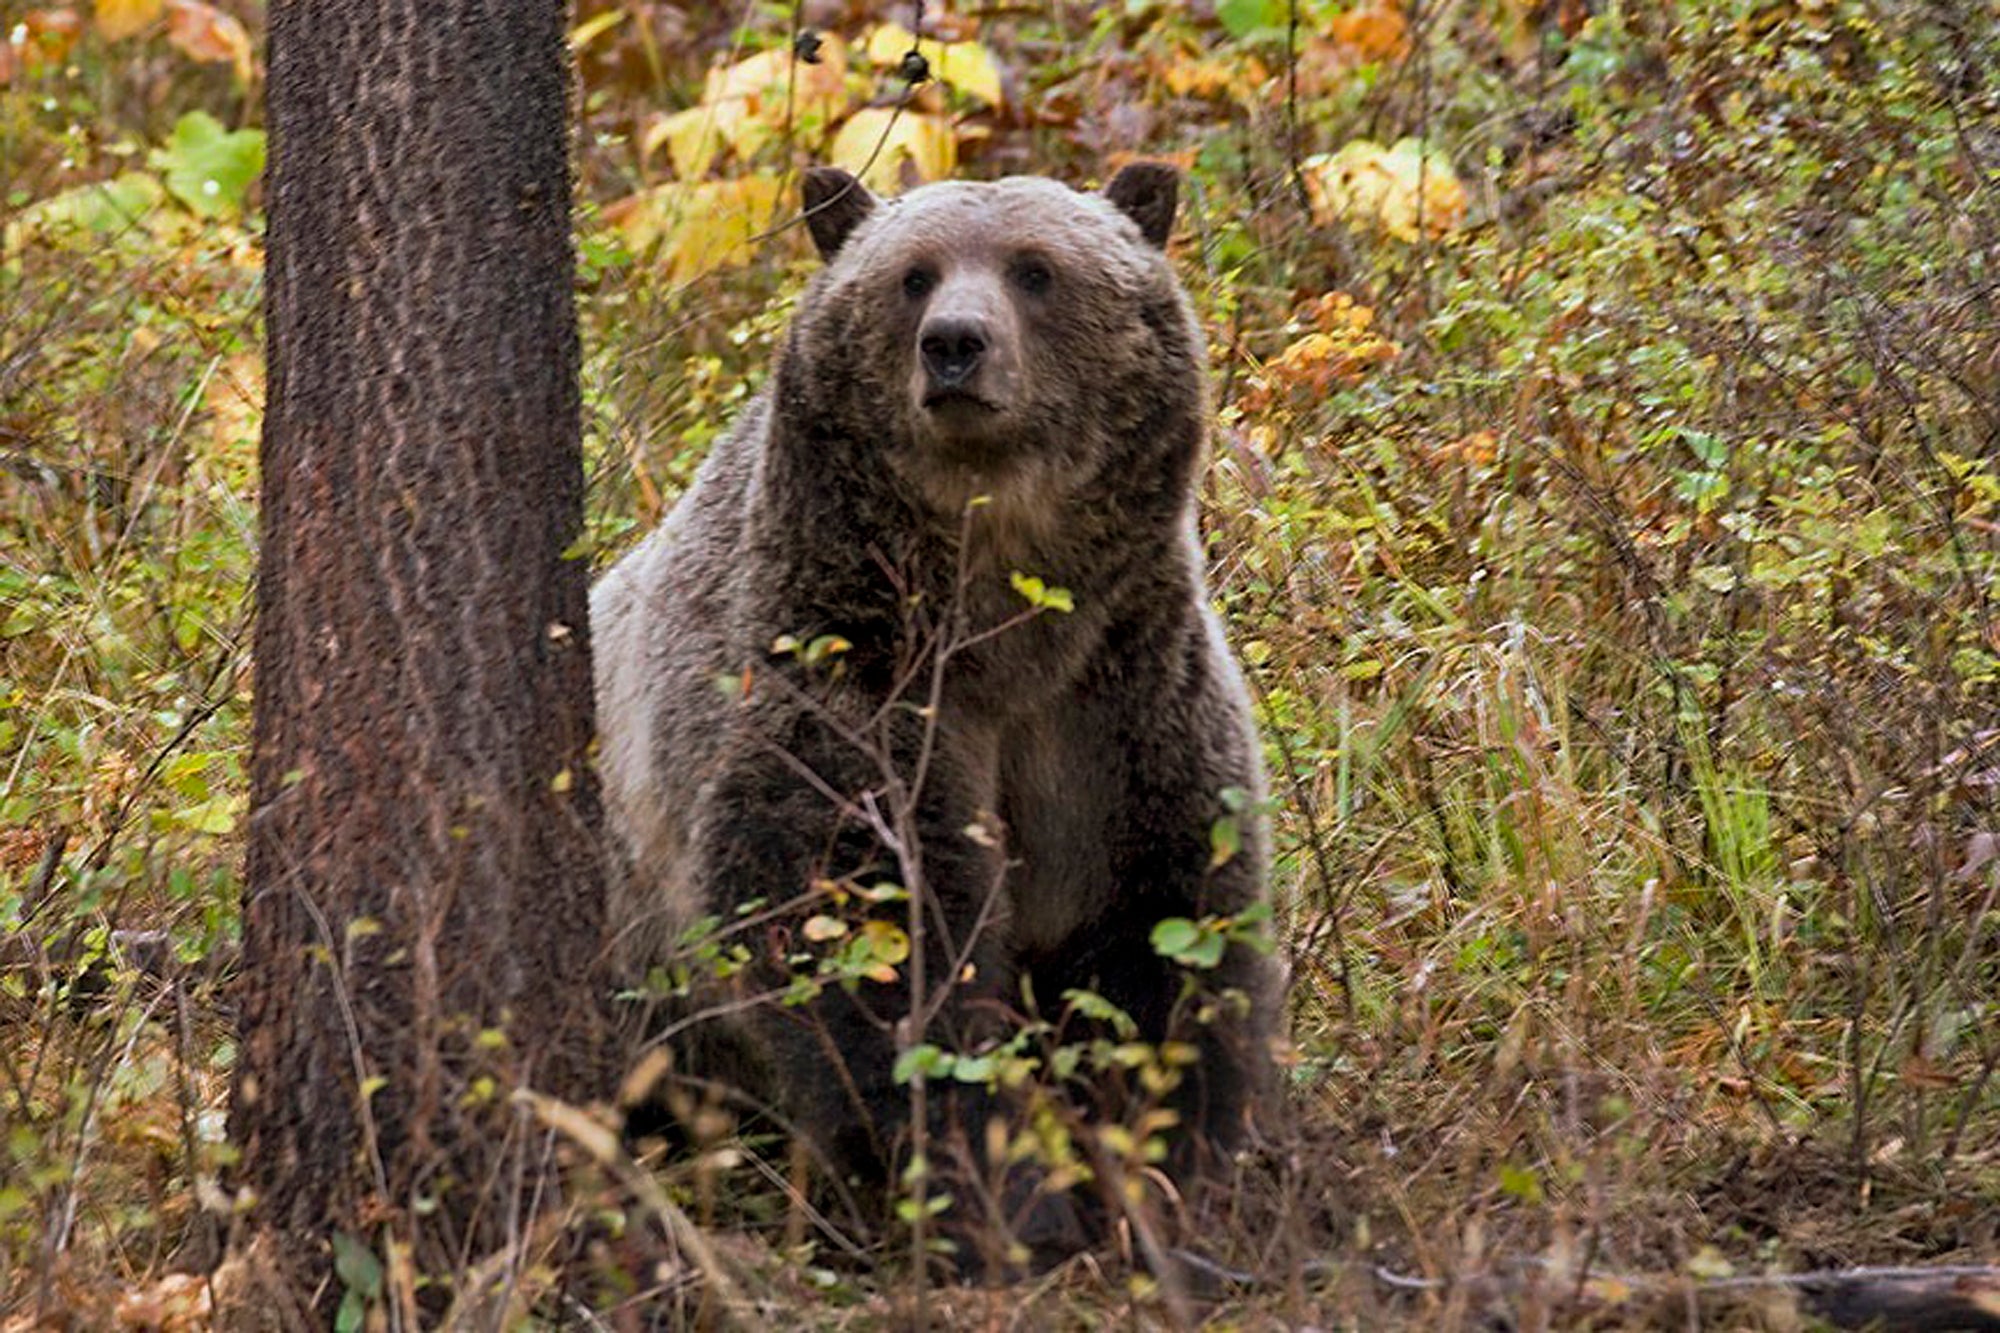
[
  {"x": 1920, "y": 1071},
  {"x": 235, "y": 403},
  {"x": 105, "y": 210},
  {"x": 1233, "y": 78},
  {"x": 970, "y": 68},
  {"x": 177, "y": 1303}
]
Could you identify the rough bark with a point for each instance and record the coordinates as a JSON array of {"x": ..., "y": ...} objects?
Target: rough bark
[{"x": 423, "y": 863}]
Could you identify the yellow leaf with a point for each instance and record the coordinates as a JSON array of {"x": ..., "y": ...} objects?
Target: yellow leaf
[
  {"x": 887, "y": 44},
  {"x": 822, "y": 927},
  {"x": 588, "y": 31},
  {"x": 118, "y": 19},
  {"x": 1399, "y": 189},
  {"x": 696, "y": 137},
  {"x": 769, "y": 79},
  {"x": 876, "y": 142},
  {"x": 203, "y": 32},
  {"x": 698, "y": 225},
  {"x": 966, "y": 66},
  {"x": 234, "y": 401},
  {"x": 744, "y": 104},
  {"x": 886, "y": 942},
  {"x": 970, "y": 68}
]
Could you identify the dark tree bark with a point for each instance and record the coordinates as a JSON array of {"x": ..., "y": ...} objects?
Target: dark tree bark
[{"x": 423, "y": 856}]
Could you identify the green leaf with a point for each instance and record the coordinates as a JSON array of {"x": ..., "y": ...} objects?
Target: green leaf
[
  {"x": 907, "y": 1210},
  {"x": 1175, "y": 936},
  {"x": 1521, "y": 1183},
  {"x": 1189, "y": 943},
  {"x": 1711, "y": 451},
  {"x": 928, "y": 1060},
  {"x": 1093, "y": 1006},
  {"x": 974, "y": 1068},
  {"x": 1243, "y": 17},
  {"x": 1225, "y": 839},
  {"x": 209, "y": 168},
  {"x": 356, "y": 1265}
]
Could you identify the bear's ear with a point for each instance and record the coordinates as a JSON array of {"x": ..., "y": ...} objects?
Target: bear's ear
[
  {"x": 835, "y": 205},
  {"x": 1148, "y": 193}
]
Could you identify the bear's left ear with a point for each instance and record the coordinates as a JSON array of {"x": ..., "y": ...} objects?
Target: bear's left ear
[
  {"x": 835, "y": 205},
  {"x": 1148, "y": 193}
]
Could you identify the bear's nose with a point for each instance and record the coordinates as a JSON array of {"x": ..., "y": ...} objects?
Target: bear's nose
[{"x": 951, "y": 349}]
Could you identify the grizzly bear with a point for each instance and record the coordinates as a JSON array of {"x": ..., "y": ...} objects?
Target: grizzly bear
[{"x": 932, "y": 617}]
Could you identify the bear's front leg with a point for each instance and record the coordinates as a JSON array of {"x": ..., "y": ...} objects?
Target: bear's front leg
[
  {"x": 823, "y": 833},
  {"x": 1167, "y": 753}
]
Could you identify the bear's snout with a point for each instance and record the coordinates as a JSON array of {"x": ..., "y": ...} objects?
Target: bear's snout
[
  {"x": 951, "y": 350},
  {"x": 965, "y": 355}
]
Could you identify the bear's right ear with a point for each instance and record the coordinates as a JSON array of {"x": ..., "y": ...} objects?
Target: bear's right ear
[
  {"x": 835, "y": 205},
  {"x": 1148, "y": 193}
]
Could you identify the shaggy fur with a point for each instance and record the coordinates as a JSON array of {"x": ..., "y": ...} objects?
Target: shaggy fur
[{"x": 983, "y": 379}]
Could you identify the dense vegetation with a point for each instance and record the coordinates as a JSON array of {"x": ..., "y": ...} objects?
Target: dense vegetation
[{"x": 1606, "y": 503}]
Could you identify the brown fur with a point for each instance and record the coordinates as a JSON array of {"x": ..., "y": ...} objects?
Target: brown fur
[{"x": 985, "y": 378}]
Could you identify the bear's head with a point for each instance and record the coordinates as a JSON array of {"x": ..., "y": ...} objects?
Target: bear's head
[{"x": 981, "y": 337}]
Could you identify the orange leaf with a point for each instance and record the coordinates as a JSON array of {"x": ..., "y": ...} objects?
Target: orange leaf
[
  {"x": 203, "y": 32},
  {"x": 1372, "y": 32},
  {"x": 46, "y": 35},
  {"x": 118, "y": 19}
]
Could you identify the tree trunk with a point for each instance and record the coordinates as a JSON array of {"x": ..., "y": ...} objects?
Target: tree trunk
[{"x": 424, "y": 903}]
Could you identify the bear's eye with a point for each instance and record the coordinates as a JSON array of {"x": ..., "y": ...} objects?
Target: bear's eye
[
  {"x": 917, "y": 283},
  {"x": 1033, "y": 276}
]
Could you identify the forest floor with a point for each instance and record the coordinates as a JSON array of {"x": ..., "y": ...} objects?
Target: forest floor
[{"x": 1605, "y": 505}]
